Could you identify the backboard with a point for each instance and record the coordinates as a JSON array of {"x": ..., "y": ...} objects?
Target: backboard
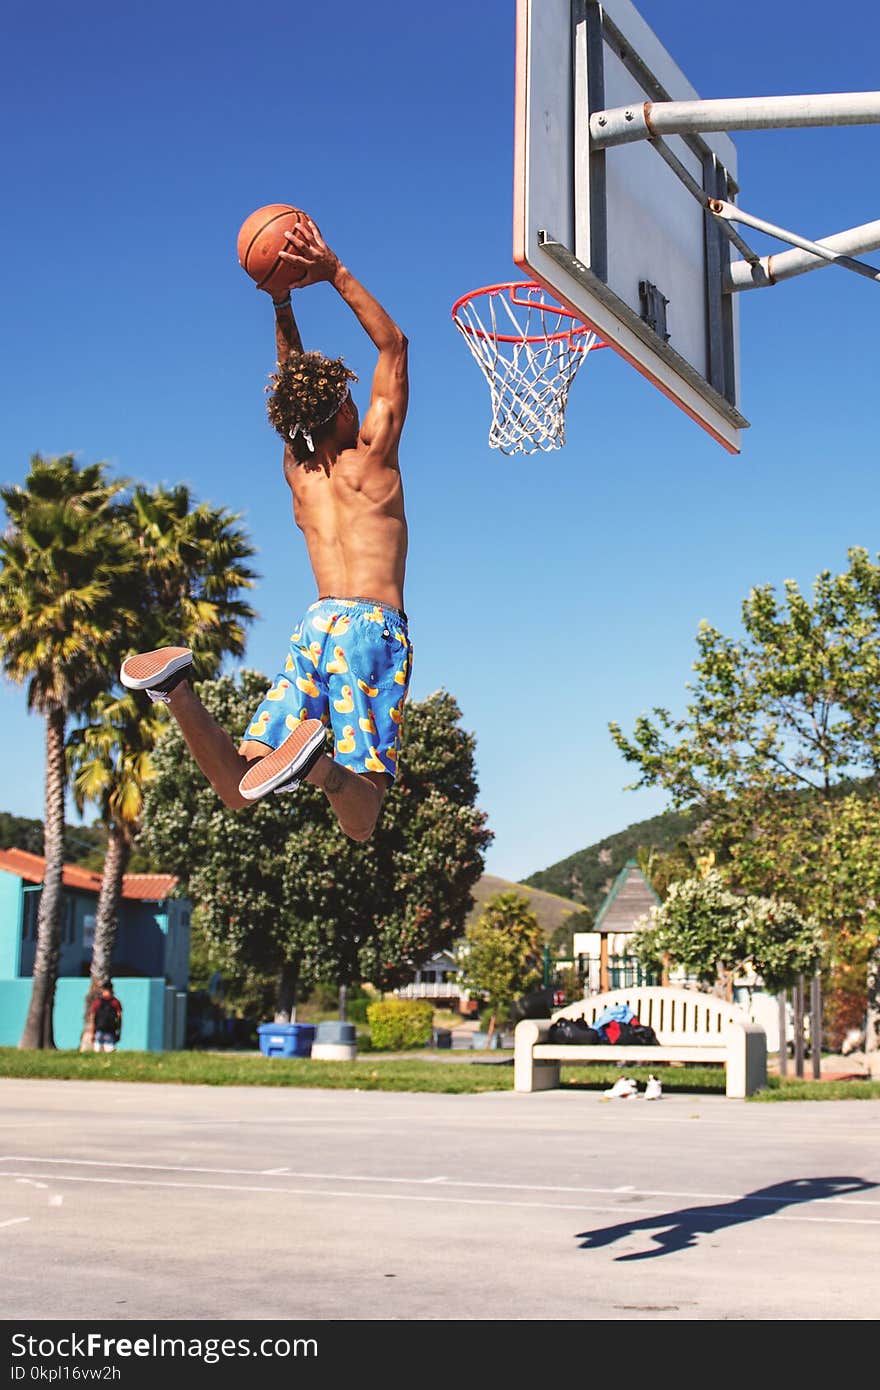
[{"x": 615, "y": 234}]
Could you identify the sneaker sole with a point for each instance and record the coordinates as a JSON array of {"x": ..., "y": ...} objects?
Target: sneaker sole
[
  {"x": 289, "y": 762},
  {"x": 150, "y": 669}
]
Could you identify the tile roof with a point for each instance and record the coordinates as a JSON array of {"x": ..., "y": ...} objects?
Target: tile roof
[{"x": 32, "y": 867}]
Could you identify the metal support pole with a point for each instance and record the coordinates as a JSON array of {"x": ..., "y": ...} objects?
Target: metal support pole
[
  {"x": 622, "y": 125},
  {"x": 731, "y": 213},
  {"x": 816, "y": 1025},
  {"x": 783, "y": 1033},
  {"x": 799, "y": 1027},
  {"x": 704, "y": 200},
  {"x": 785, "y": 265}
]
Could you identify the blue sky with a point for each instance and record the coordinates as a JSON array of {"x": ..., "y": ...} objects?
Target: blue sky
[{"x": 550, "y": 594}]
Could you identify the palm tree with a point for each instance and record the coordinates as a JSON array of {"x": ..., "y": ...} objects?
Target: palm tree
[
  {"x": 193, "y": 571},
  {"x": 191, "y": 574},
  {"x": 63, "y": 608},
  {"x": 110, "y": 762}
]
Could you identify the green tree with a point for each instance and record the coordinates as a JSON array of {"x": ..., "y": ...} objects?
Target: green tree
[
  {"x": 715, "y": 935},
  {"x": 502, "y": 953},
  {"x": 662, "y": 868},
  {"x": 280, "y": 889},
  {"x": 779, "y": 754},
  {"x": 82, "y": 843},
  {"x": 561, "y": 939},
  {"x": 63, "y": 604},
  {"x": 191, "y": 574}
]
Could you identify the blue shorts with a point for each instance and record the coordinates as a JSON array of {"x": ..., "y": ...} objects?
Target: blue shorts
[{"x": 348, "y": 665}]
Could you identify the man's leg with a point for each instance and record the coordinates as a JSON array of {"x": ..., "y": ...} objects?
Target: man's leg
[
  {"x": 211, "y": 746},
  {"x": 164, "y": 675},
  {"x": 356, "y": 797}
]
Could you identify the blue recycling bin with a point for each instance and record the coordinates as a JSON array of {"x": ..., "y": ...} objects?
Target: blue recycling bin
[{"x": 286, "y": 1039}]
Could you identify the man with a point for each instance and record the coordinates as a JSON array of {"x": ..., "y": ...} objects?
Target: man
[
  {"x": 350, "y": 657},
  {"x": 106, "y": 1016}
]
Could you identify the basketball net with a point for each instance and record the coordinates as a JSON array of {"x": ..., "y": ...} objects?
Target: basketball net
[{"x": 529, "y": 349}]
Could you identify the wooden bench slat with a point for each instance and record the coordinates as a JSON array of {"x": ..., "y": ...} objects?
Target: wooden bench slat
[{"x": 574, "y": 1052}]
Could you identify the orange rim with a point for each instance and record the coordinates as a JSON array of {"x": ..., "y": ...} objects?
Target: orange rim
[{"x": 548, "y": 304}]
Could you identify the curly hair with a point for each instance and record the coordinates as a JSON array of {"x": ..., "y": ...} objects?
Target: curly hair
[{"x": 307, "y": 390}]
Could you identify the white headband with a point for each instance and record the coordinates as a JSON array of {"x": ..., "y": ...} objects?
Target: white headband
[{"x": 306, "y": 433}]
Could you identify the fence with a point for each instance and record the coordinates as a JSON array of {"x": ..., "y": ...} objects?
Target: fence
[{"x": 624, "y": 972}]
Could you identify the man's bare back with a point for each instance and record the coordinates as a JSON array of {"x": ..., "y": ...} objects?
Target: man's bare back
[
  {"x": 347, "y": 491},
  {"x": 352, "y": 518}
]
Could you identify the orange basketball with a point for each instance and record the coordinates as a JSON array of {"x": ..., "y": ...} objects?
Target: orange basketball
[{"x": 259, "y": 241}]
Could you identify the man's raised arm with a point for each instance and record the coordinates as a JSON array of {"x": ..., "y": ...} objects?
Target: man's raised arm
[
  {"x": 287, "y": 339},
  {"x": 390, "y": 391}
]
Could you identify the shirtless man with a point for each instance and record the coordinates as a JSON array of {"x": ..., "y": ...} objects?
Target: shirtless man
[{"x": 350, "y": 658}]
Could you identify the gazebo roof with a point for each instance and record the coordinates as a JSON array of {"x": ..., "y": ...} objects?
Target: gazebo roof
[{"x": 629, "y": 898}]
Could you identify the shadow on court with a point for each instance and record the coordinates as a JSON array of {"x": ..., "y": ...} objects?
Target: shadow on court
[{"x": 678, "y": 1230}]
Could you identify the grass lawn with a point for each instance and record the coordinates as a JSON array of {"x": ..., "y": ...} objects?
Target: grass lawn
[
  {"x": 378, "y": 1073},
  {"x": 252, "y": 1069}
]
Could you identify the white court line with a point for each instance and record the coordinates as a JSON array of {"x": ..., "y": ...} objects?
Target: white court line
[
  {"x": 455, "y": 1182},
  {"x": 444, "y": 1201},
  {"x": 14, "y": 1221}
]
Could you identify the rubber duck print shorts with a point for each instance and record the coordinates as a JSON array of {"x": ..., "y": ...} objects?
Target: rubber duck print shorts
[{"x": 348, "y": 665}]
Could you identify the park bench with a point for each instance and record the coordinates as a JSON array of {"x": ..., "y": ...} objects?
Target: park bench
[{"x": 691, "y": 1027}]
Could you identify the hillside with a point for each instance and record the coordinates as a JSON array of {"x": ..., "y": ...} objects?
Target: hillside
[
  {"x": 549, "y": 908},
  {"x": 586, "y": 876}
]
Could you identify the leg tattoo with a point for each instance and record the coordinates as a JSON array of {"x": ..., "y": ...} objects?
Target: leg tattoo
[{"x": 334, "y": 780}]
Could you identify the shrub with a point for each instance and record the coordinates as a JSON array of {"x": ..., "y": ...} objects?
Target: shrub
[
  {"x": 396, "y": 1024},
  {"x": 356, "y": 1010}
]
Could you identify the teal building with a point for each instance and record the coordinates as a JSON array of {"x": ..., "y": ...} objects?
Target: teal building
[{"x": 150, "y": 961}]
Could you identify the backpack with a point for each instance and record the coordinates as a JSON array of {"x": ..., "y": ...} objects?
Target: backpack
[
  {"x": 572, "y": 1030},
  {"x": 106, "y": 1017},
  {"x": 640, "y": 1034}
]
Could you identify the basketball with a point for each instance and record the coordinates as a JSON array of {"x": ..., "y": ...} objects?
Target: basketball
[{"x": 260, "y": 239}]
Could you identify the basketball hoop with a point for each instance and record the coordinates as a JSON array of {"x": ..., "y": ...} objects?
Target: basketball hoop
[{"x": 529, "y": 349}]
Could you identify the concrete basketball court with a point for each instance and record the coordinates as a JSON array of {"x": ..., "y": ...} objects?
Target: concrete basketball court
[{"x": 173, "y": 1202}]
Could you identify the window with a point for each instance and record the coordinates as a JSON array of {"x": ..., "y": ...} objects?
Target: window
[{"x": 29, "y": 917}]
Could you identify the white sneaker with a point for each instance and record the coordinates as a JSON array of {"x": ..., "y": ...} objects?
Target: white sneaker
[
  {"x": 624, "y": 1089},
  {"x": 157, "y": 672},
  {"x": 286, "y": 766},
  {"x": 653, "y": 1089}
]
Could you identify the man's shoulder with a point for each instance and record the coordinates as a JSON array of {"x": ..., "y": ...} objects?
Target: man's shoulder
[{"x": 368, "y": 456}]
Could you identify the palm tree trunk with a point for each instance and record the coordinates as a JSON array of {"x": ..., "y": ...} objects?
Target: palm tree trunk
[
  {"x": 106, "y": 920},
  {"x": 38, "y": 1024}
]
